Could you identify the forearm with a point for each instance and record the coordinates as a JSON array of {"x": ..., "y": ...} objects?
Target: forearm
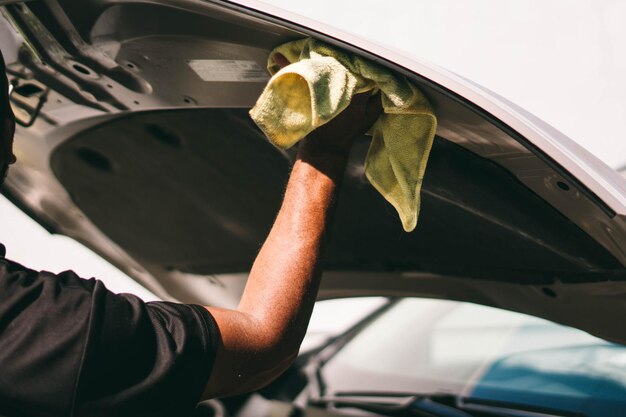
[
  {"x": 261, "y": 338},
  {"x": 287, "y": 270},
  {"x": 264, "y": 334}
]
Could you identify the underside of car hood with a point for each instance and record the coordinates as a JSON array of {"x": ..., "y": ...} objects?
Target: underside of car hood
[
  {"x": 154, "y": 163},
  {"x": 197, "y": 190}
]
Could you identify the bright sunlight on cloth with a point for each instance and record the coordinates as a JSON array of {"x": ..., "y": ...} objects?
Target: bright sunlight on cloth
[{"x": 319, "y": 83}]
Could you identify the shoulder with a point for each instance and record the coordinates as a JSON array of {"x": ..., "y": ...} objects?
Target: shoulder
[
  {"x": 42, "y": 292},
  {"x": 13, "y": 274}
]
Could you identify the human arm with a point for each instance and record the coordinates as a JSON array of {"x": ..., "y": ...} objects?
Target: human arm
[{"x": 261, "y": 338}]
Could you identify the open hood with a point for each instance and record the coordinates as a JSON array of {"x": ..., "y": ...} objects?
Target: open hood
[{"x": 141, "y": 147}]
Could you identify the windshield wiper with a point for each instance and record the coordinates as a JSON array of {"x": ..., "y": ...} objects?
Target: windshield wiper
[
  {"x": 509, "y": 409},
  {"x": 392, "y": 404},
  {"x": 436, "y": 405}
]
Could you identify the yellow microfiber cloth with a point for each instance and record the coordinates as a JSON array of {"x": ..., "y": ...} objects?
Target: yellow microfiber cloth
[{"x": 319, "y": 83}]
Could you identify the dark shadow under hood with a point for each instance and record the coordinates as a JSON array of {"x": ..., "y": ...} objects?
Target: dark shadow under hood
[{"x": 197, "y": 191}]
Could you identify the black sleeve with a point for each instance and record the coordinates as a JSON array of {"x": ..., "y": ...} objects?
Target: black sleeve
[
  {"x": 70, "y": 347},
  {"x": 144, "y": 359},
  {"x": 44, "y": 322}
]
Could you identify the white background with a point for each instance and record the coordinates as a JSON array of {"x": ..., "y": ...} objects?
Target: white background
[{"x": 563, "y": 60}]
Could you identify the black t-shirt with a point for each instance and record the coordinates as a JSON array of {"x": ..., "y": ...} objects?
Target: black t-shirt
[{"x": 70, "y": 347}]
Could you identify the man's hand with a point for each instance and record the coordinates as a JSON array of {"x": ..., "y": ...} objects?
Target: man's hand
[
  {"x": 354, "y": 121},
  {"x": 328, "y": 146},
  {"x": 261, "y": 338}
]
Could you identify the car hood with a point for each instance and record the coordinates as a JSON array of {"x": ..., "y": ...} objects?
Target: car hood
[{"x": 141, "y": 147}]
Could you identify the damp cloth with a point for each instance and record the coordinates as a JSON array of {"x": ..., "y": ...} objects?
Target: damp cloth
[{"x": 319, "y": 83}]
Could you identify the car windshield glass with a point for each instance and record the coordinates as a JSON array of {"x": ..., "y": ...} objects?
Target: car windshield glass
[
  {"x": 477, "y": 352},
  {"x": 526, "y": 51}
]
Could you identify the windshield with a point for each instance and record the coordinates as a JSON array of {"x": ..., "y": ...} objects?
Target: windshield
[
  {"x": 477, "y": 352},
  {"x": 563, "y": 61}
]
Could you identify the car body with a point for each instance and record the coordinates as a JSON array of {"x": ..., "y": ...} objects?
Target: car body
[
  {"x": 446, "y": 358},
  {"x": 135, "y": 140}
]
